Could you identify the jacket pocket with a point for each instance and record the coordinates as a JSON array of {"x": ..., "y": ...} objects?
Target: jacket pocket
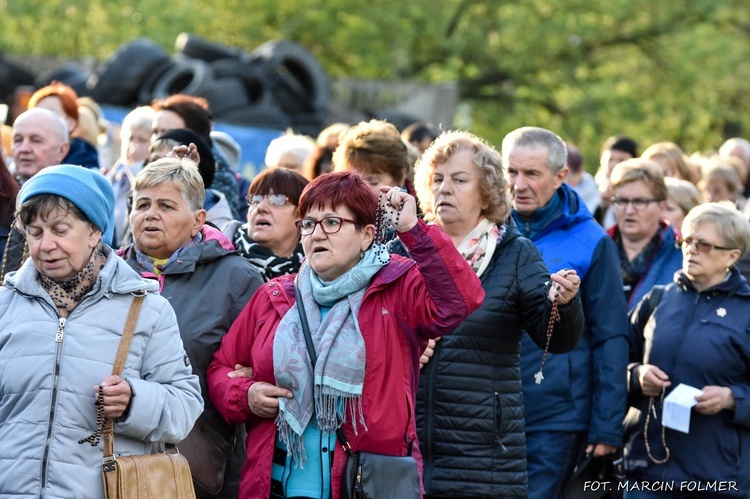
[{"x": 499, "y": 432}]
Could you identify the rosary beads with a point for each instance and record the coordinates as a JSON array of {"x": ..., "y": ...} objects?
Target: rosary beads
[{"x": 95, "y": 437}]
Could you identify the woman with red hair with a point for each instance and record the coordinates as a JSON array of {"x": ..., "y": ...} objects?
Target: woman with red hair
[{"x": 370, "y": 316}]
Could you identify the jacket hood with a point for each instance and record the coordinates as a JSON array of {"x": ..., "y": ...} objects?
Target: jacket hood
[
  {"x": 115, "y": 278},
  {"x": 82, "y": 153}
]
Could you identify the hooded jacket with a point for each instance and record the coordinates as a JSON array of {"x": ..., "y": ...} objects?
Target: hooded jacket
[
  {"x": 470, "y": 402},
  {"x": 585, "y": 389},
  {"x": 208, "y": 285},
  {"x": 698, "y": 338},
  {"x": 82, "y": 153},
  {"x": 49, "y": 367},
  {"x": 405, "y": 304}
]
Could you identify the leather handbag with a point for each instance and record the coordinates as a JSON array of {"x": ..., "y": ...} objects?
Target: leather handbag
[
  {"x": 367, "y": 475},
  {"x": 150, "y": 476},
  {"x": 207, "y": 451}
]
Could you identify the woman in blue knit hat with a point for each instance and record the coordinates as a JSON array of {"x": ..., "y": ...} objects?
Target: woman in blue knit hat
[{"x": 61, "y": 319}]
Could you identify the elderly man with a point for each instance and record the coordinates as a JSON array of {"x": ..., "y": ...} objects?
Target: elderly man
[
  {"x": 582, "y": 397},
  {"x": 39, "y": 140},
  {"x": 63, "y": 100}
]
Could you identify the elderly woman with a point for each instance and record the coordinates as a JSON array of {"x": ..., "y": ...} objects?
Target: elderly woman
[
  {"x": 370, "y": 316},
  {"x": 682, "y": 196},
  {"x": 472, "y": 380},
  {"x": 646, "y": 244},
  {"x": 203, "y": 278},
  {"x": 269, "y": 240},
  {"x": 62, "y": 317},
  {"x": 695, "y": 332}
]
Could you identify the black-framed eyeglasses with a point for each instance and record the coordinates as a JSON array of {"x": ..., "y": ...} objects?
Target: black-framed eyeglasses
[
  {"x": 253, "y": 200},
  {"x": 330, "y": 225},
  {"x": 702, "y": 246},
  {"x": 638, "y": 203}
]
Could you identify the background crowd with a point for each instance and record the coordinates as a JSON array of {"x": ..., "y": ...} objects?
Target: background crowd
[{"x": 496, "y": 313}]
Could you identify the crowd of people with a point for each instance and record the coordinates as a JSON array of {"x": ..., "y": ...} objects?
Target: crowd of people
[{"x": 499, "y": 314}]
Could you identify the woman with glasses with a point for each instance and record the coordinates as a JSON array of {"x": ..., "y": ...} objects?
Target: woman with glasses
[
  {"x": 370, "y": 316},
  {"x": 269, "y": 240},
  {"x": 646, "y": 242},
  {"x": 207, "y": 283},
  {"x": 695, "y": 331}
]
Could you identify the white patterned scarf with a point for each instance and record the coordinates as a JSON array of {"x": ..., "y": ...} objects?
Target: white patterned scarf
[{"x": 479, "y": 245}]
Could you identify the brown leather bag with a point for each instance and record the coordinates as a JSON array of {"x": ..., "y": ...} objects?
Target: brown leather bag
[{"x": 149, "y": 476}]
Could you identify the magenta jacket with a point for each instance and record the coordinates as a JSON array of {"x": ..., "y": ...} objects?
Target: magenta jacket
[{"x": 407, "y": 303}]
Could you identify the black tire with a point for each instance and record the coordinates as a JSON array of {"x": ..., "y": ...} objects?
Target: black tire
[
  {"x": 200, "y": 48},
  {"x": 298, "y": 81},
  {"x": 146, "y": 92},
  {"x": 187, "y": 76},
  {"x": 224, "y": 95},
  {"x": 258, "y": 117},
  {"x": 251, "y": 74},
  {"x": 63, "y": 74},
  {"x": 12, "y": 76},
  {"x": 118, "y": 79}
]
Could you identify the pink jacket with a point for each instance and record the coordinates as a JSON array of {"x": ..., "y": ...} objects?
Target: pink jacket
[{"x": 407, "y": 303}]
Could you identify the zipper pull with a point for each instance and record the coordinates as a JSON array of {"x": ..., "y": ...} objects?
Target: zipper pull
[{"x": 60, "y": 331}]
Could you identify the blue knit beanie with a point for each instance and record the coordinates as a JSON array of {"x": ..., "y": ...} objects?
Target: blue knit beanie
[{"x": 85, "y": 188}]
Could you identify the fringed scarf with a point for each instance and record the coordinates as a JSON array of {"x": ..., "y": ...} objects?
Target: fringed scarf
[{"x": 333, "y": 392}]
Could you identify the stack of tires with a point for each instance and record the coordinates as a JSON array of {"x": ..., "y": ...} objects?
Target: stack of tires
[{"x": 277, "y": 85}]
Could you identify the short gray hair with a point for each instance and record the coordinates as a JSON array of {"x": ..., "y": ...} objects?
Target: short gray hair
[
  {"x": 730, "y": 144},
  {"x": 59, "y": 125},
  {"x": 534, "y": 137},
  {"x": 182, "y": 173},
  {"x": 731, "y": 224}
]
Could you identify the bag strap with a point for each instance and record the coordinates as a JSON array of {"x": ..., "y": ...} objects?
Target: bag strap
[
  {"x": 122, "y": 354},
  {"x": 311, "y": 351}
]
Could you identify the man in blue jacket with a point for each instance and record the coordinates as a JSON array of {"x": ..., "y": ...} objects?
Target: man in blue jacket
[{"x": 582, "y": 396}]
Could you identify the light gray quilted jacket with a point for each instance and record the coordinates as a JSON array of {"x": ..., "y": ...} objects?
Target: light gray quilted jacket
[{"x": 49, "y": 367}]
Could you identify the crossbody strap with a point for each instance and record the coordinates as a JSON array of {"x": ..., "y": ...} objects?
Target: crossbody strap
[{"x": 122, "y": 354}]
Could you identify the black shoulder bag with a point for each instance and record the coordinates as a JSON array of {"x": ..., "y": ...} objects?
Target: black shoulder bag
[{"x": 368, "y": 475}]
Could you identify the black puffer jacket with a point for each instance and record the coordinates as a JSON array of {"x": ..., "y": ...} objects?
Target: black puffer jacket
[{"x": 470, "y": 404}]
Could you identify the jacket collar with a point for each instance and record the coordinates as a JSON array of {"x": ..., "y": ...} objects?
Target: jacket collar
[
  {"x": 735, "y": 284},
  {"x": 116, "y": 277}
]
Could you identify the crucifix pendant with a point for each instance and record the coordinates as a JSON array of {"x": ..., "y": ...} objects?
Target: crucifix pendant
[{"x": 538, "y": 377}]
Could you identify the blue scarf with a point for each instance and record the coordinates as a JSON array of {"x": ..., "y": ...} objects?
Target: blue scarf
[{"x": 334, "y": 390}]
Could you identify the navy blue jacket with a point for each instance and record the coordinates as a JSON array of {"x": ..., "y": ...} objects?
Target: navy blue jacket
[
  {"x": 666, "y": 262},
  {"x": 700, "y": 339},
  {"x": 583, "y": 390},
  {"x": 82, "y": 153}
]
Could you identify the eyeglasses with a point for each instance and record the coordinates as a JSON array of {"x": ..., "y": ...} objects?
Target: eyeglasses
[
  {"x": 330, "y": 225},
  {"x": 638, "y": 203},
  {"x": 253, "y": 200},
  {"x": 701, "y": 246}
]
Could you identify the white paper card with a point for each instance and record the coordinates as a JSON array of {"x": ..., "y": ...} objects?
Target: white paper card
[{"x": 677, "y": 406}]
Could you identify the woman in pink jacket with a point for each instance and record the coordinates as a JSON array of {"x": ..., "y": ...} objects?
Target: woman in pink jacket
[{"x": 370, "y": 315}]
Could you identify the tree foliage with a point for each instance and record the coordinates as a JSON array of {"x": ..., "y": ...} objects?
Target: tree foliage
[{"x": 584, "y": 68}]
